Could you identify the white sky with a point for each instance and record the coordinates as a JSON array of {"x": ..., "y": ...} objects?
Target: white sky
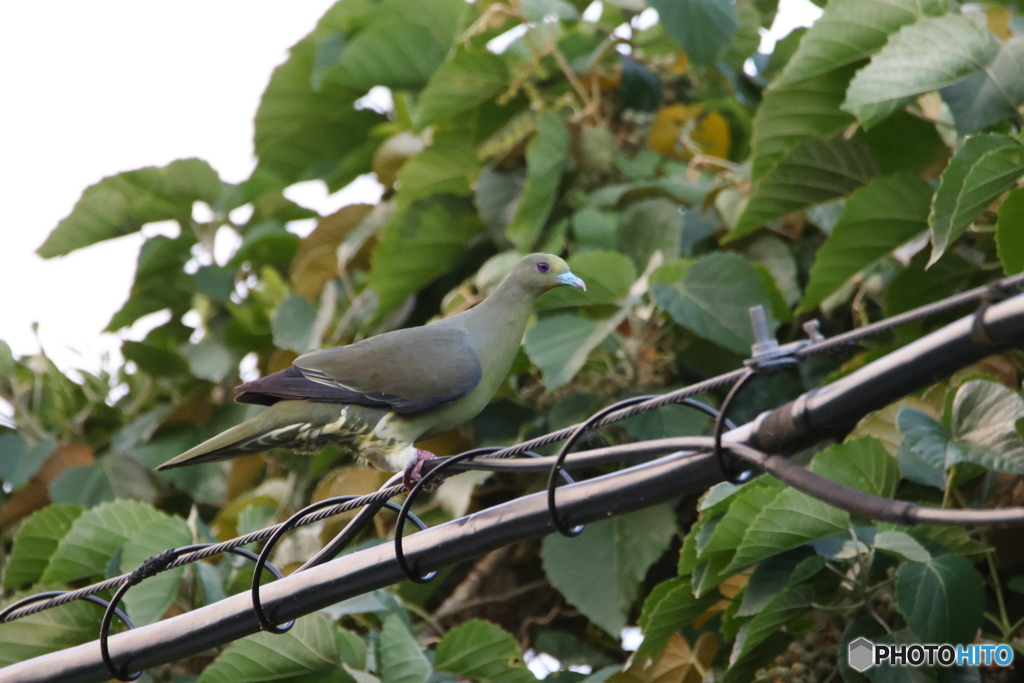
[{"x": 94, "y": 88}]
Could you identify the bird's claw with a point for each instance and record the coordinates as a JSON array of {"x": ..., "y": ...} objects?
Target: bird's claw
[{"x": 414, "y": 474}]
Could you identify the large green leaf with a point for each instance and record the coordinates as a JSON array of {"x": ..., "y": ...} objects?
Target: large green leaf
[
  {"x": 861, "y": 464},
  {"x": 780, "y": 610},
  {"x": 983, "y": 430},
  {"x": 703, "y": 28},
  {"x": 292, "y": 322},
  {"x": 930, "y": 54},
  {"x": 728, "y": 532},
  {"x": 942, "y": 599},
  {"x": 985, "y": 415},
  {"x": 607, "y": 274},
  {"x": 804, "y": 102},
  {"x": 1010, "y": 232},
  {"x": 21, "y": 459},
  {"x": 712, "y": 296},
  {"x": 649, "y": 226},
  {"x": 123, "y": 203},
  {"x": 546, "y": 157},
  {"x": 398, "y": 45},
  {"x": 482, "y": 651},
  {"x": 987, "y": 97},
  {"x": 793, "y": 518},
  {"x": 315, "y": 649},
  {"x": 303, "y": 132},
  {"x": 815, "y": 172},
  {"x": 95, "y": 537},
  {"x": 878, "y": 217},
  {"x": 902, "y": 545},
  {"x": 984, "y": 168},
  {"x": 401, "y": 658},
  {"x": 35, "y": 543},
  {"x": 160, "y": 281},
  {"x": 147, "y": 602},
  {"x": 48, "y": 631},
  {"x": 448, "y": 166},
  {"x": 470, "y": 78},
  {"x": 618, "y": 553},
  {"x": 418, "y": 245},
  {"x": 559, "y": 345},
  {"x": 850, "y": 30},
  {"x": 669, "y": 607}
]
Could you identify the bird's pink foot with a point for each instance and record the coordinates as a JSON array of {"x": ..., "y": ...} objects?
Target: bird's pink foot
[{"x": 413, "y": 474}]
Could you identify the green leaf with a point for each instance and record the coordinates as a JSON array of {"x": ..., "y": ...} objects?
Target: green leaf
[
  {"x": 850, "y": 30},
  {"x": 482, "y": 651},
  {"x": 398, "y": 54},
  {"x": 314, "y": 647},
  {"x": 1009, "y": 232},
  {"x": 595, "y": 229},
  {"x": 448, "y": 166},
  {"x": 608, "y": 276},
  {"x": 649, "y": 226},
  {"x": 48, "y": 631},
  {"x": 771, "y": 576},
  {"x": 813, "y": 173},
  {"x": 160, "y": 281},
  {"x": 670, "y": 606},
  {"x": 902, "y": 545},
  {"x": 703, "y": 28},
  {"x": 987, "y": 97},
  {"x": 793, "y": 113},
  {"x": 789, "y": 520},
  {"x": 878, "y": 217},
  {"x": 984, "y": 168},
  {"x": 95, "y": 537},
  {"x": 941, "y": 599},
  {"x": 35, "y": 543},
  {"x": 779, "y": 611},
  {"x": 804, "y": 102},
  {"x": 147, "y": 602},
  {"x": 921, "y": 455},
  {"x": 546, "y": 157},
  {"x": 123, "y": 203},
  {"x": 862, "y": 464},
  {"x": 983, "y": 419},
  {"x": 292, "y": 322},
  {"x": 401, "y": 658},
  {"x": 470, "y": 78},
  {"x": 213, "y": 361},
  {"x": 712, "y": 296},
  {"x": 984, "y": 416},
  {"x": 728, "y": 533},
  {"x": 20, "y": 459},
  {"x": 904, "y": 143},
  {"x": 619, "y": 551},
  {"x": 559, "y": 344},
  {"x": 418, "y": 245},
  {"x": 927, "y": 55},
  {"x": 302, "y": 132}
]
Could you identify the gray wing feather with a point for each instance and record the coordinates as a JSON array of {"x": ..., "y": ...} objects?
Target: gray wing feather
[{"x": 411, "y": 370}]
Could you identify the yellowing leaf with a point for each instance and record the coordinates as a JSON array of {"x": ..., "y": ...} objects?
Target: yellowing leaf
[
  {"x": 678, "y": 124},
  {"x": 998, "y": 21}
]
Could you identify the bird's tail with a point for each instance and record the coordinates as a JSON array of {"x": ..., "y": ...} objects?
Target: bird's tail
[{"x": 294, "y": 424}]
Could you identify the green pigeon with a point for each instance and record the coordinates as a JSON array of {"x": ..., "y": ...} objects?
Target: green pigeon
[{"x": 380, "y": 396}]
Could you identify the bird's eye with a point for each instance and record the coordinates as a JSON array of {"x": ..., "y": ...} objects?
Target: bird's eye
[{"x": 543, "y": 267}]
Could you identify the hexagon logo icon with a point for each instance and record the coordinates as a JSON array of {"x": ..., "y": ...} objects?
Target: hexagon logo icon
[{"x": 861, "y": 654}]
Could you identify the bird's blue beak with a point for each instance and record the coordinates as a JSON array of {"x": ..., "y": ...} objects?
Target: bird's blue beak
[{"x": 568, "y": 278}]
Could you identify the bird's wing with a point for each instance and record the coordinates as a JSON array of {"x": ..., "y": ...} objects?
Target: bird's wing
[{"x": 410, "y": 370}]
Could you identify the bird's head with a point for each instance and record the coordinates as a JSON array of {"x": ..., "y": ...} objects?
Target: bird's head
[{"x": 541, "y": 272}]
